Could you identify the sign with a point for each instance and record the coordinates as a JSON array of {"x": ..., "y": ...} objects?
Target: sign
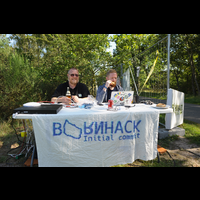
[
  {"x": 176, "y": 100},
  {"x": 89, "y": 139}
]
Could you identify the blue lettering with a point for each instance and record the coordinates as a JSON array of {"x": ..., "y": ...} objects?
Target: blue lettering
[
  {"x": 99, "y": 137},
  {"x": 103, "y": 138},
  {"x": 129, "y": 121},
  {"x": 111, "y": 137},
  {"x": 106, "y": 127},
  {"x": 107, "y": 138},
  {"x": 99, "y": 127},
  {"x": 136, "y": 126},
  {"x": 57, "y": 128},
  {"x": 129, "y": 137},
  {"x": 89, "y": 127},
  {"x": 124, "y": 137},
  {"x": 95, "y": 138},
  {"x": 120, "y": 127}
]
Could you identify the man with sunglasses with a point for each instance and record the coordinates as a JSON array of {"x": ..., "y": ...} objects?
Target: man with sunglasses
[{"x": 78, "y": 90}]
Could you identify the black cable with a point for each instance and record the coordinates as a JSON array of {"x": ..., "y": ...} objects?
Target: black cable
[
  {"x": 25, "y": 158},
  {"x": 18, "y": 163},
  {"x": 171, "y": 157},
  {"x": 20, "y": 146},
  {"x": 13, "y": 149},
  {"x": 16, "y": 134},
  {"x": 15, "y": 130},
  {"x": 192, "y": 152}
]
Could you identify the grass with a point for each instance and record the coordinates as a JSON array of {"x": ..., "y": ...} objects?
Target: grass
[
  {"x": 8, "y": 138},
  {"x": 154, "y": 95},
  {"x": 192, "y": 99},
  {"x": 192, "y": 131},
  {"x": 159, "y": 95}
]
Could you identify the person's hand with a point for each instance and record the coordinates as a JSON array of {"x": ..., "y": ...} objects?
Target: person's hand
[
  {"x": 108, "y": 83},
  {"x": 75, "y": 98},
  {"x": 64, "y": 100}
]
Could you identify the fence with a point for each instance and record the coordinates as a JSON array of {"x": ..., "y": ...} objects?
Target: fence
[{"x": 149, "y": 72}]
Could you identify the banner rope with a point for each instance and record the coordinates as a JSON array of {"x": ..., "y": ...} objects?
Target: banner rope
[{"x": 151, "y": 71}]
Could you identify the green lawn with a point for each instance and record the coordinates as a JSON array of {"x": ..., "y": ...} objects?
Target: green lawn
[
  {"x": 192, "y": 99},
  {"x": 162, "y": 96},
  {"x": 192, "y": 131}
]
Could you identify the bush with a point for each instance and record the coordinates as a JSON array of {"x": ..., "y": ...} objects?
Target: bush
[{"x": 18, "y": 82}]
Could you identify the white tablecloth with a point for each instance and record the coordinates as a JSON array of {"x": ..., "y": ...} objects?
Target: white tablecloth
[{"x": 95, "y": 137}]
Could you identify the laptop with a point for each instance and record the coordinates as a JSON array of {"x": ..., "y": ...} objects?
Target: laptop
[
  {"x": 43, "y": 109},
  {"x": 122, "y": 97}
]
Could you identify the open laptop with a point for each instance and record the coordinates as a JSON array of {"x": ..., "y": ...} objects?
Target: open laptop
[{"x": 122, "y": 97}]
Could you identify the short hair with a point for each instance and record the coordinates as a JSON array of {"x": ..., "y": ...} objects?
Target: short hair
[
  {"x": 73, "y": 68},
  {"x": 111, "y": 71}
]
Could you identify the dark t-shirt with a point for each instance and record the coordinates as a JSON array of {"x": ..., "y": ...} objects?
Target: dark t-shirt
[
  {"x": 80, "y": 90},
  {"x": 109, "y": 91}
]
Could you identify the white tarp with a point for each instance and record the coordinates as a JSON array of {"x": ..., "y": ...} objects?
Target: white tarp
[
  {"x": 88, "y": 138},
  {"x": 176, "y": 100}
]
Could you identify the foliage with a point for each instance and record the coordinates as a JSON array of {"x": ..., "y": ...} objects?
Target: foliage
[
  {"x": 41, "y": 62},
  {"x": 18, "y": 83},
  {"x": 54, "y": 54},
  {"x": 184, "y": 59},
  {"x": 38, "y": 63}
]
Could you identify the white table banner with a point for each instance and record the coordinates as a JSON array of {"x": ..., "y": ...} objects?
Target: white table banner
[
  {"x": 86, "y": 138},
  {"x": 176, "y": 100}
]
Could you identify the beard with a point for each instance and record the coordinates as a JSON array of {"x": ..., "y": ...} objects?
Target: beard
[{"x": 74, "y": 81}]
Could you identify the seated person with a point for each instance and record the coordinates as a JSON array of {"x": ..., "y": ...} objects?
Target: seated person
[
  {"x": 104, "y": 91},
  {"x": 78, "y": 90}
]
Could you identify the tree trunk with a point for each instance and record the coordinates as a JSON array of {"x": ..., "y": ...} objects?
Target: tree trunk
[
  {"x": 176, "y": 75},
  {"x": 193, "y": 90},
  {"x": 190, "y": 54},
  {"x": 193, "y": 72}
]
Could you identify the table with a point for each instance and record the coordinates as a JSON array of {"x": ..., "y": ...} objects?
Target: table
[{"x": 96, "y": 137}]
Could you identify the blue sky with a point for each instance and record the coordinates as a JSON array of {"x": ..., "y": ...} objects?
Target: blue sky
[{"x": 112, "y": 45}]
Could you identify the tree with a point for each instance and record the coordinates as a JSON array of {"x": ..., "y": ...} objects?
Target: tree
[
  {"x": 184, "y": 58},
  {"x": 52, "y": 55}
]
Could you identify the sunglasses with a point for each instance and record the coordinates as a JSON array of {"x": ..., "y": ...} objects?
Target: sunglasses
[{"x": 72, "y": 75}]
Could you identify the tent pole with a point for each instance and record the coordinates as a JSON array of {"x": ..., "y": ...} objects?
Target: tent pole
[{"x": 168, "y": 62}]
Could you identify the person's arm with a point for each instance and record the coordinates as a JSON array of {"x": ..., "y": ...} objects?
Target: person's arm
[
  {"x": 59, "y": 95},
  {"x": 63, "y": 99},
  {"x": 101, "y": 92},
  {"x": 53, "y": 99},
  {"x": 77, "y": 99}
]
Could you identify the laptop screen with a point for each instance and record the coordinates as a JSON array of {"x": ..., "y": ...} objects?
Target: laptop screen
[{"x": 120, "y": 97}]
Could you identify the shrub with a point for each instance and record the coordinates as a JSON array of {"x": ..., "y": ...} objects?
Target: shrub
[{"x": 18, "y": 83}]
